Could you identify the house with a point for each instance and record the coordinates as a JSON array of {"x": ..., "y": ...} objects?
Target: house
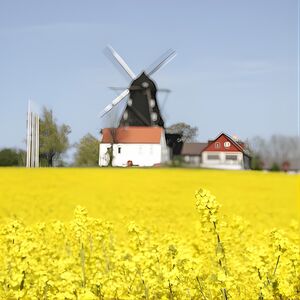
[
  {"x": 225, "y": 152},
  {"x": 191, "y": 153},
  {"x": 134, "y": 145}
]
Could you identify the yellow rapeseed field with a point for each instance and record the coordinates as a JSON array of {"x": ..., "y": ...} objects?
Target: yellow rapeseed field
[{"x": 149, "y": 234}]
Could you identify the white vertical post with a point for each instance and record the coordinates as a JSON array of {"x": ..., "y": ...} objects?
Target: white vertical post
[
  {"x": 32, "y": 154},
  {"x": 27, "y": 138},
  {"x": 37, "y": 140},
  {"x": 28, "y": 159},
  {"x": 32, "y": 158}
]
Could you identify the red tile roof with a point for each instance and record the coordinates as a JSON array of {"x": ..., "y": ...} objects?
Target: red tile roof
[{"x": 132, "y": 135}]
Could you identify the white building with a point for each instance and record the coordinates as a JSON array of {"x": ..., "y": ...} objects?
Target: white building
[{"x": 137, "y": 146}]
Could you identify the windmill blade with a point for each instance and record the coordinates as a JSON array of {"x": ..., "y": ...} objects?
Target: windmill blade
[
  {"x": 164, "y": 90},
  {"x": 117, "y": 88},
  {"x": 121, "y": 61},
  {"x": 115, "y": 102},
  {"x": 168, "y": 56},
  {"x": 162, "y": 107},
  {"x": 139, "y": 115},
  {"x": 132, "y": 87}
]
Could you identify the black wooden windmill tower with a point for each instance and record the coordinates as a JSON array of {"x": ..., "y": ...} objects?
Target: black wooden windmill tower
[{"x": 142, "y": 108}]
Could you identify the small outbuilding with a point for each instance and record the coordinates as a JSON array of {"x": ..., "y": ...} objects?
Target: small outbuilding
[{"x": 191, "y": 153}]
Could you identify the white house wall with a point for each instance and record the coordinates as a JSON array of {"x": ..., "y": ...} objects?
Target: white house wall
[
  {"x": 222, "y": 162},
  {"x": 193, "y": 160},
  {"x": 165, "y": 151},
  {"x": 144, "y": 155}
]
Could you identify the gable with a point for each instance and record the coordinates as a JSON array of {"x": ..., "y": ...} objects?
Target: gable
[{"x": 223, "y": 143}]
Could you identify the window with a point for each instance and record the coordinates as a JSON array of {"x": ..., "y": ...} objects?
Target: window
[
  {"x": 119, "y": 150},
  {"x": 217, "y": 145},
  {"x": 213, "y": 156},
  {"x": 231, "y": 157},
  {"x": 154, "y": 116},
  {"x": 152, "y": 103},
  {"x": 227, "y": 144},
  {"x": 186, "y": 158}
]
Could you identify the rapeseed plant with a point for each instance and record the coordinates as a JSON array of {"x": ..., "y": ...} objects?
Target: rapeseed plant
[{"x": 167, "y": 253}]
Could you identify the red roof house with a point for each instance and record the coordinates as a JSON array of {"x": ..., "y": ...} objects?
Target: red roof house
[{"x": 224, "y": 152}]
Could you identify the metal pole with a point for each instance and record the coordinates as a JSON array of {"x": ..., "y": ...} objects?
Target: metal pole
[
  {"x": 27, "y": 140},
  {"x": 32, "y": 155},
  {"x": 33, "y": 142},
  {"x": 37, "y": 141},
  {"x": 28, "y": 160}
]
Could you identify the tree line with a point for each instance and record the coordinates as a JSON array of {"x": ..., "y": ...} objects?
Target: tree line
[{"x": 279, "y": 152}]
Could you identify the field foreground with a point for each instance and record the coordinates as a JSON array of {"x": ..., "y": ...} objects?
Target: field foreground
[{"x": 143, "y": 234}]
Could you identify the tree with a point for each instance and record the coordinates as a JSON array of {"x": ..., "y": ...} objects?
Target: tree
[
  {"x": 188, "y": 132},
  {"x": 112, "y": 123},
  {"x": 87, "y": 151},
  {"x": 275, "y": 167},
  {"x": 110, "y": 151},
  {"x": 12, "y": 157},
  {"x": 53, "y": 138},
  {"x": 256, "y": 162},
  {"x": 276, "y": 151}
]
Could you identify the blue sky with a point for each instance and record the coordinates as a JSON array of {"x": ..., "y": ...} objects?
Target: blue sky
[{"x": 236, "y": 68}]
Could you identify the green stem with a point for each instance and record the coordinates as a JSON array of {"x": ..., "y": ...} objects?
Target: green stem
[
  {"x": 171, "y": 292},
  {"x": 278, "y": 258},
  {"x": 224, "y": 292},
  {"x": 82, "y": 260},
  {"x": 200, "y": 287}
]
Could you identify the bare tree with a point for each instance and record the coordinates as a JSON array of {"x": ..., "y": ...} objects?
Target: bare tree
[
  {"x": 278, "y": 149},
  {"x": 187, "y": 132},
  {"x": 111, "y": 123}
]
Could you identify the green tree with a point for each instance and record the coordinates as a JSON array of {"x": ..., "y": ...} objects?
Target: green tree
[
  {"x": 87, "y": 151},
  {"x": 12, "y": 157},
  {"x": 53, "y": 138},
  {"x": 275, "y": 167},
  {"x": 188, "y": 132},
  {"x": 256, "y": 162}
]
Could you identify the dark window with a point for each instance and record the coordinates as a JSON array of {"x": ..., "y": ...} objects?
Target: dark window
[
  {"x": 213, "y": 156},
  {"x": 119, "y": 149},
  {"x": 231, "y": 157}
]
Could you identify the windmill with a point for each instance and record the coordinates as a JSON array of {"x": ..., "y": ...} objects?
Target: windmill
[{"x": 142, "y": 108}]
